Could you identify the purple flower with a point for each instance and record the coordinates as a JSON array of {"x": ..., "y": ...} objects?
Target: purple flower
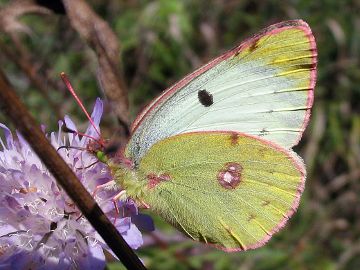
[{"x": 40, "y": 226}]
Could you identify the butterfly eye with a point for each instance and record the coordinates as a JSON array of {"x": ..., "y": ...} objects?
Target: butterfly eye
[{"x": 205, "y": 98}]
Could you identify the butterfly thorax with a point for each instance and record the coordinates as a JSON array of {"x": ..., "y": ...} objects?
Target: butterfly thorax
[{"x": 129, "y": 180}]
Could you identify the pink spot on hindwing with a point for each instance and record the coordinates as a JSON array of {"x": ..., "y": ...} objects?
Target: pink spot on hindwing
[
  {"x": 154, "y": 179},
  {"x": 230, "y": 176}
]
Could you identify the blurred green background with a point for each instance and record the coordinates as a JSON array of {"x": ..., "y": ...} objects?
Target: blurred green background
[{"x": 161, "y": 41}]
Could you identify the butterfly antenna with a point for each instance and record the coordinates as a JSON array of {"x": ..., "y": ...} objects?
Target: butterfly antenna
[
  {"x": 67, "y": 147},
  {"x": 72, "y": 91},
  {"x": 69, "y": 130}
]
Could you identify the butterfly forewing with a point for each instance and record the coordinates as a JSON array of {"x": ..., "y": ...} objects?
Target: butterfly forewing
[
  {"x": 223, "y": 188},
  {"x": 263, "y": 87}
]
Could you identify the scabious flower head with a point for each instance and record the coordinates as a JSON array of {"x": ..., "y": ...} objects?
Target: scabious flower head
[{"x": 40, "y": 226}]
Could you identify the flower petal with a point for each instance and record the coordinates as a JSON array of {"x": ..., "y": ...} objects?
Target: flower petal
[
  {"x": 95, "y": 116},
  {"x": 8, "y": 137},
  {"x": 133, "y": 237},
  {"x": 143, "y": 222}
]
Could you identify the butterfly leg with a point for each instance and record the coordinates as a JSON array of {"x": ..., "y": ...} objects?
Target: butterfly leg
[
  {"x": 108, "y": 185},
  {"x": 87, "y": 167},
  {"x": 121, "y": 196},
  {"x": 144, "y": 205}
]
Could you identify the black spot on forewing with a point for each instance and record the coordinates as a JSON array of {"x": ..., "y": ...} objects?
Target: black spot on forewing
[{"x": 205, "y": 98}]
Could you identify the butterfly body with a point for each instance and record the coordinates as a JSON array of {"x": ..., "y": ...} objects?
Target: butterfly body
[{"x": 212, "y": 154}]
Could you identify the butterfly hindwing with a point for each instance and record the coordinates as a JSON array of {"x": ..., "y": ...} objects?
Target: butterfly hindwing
[
  {"x": 263, "y": 87},
  {"x": 227, "y": 189}
]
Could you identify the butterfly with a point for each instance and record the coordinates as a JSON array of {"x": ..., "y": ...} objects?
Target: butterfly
[{"x": 213, "y": 156}]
